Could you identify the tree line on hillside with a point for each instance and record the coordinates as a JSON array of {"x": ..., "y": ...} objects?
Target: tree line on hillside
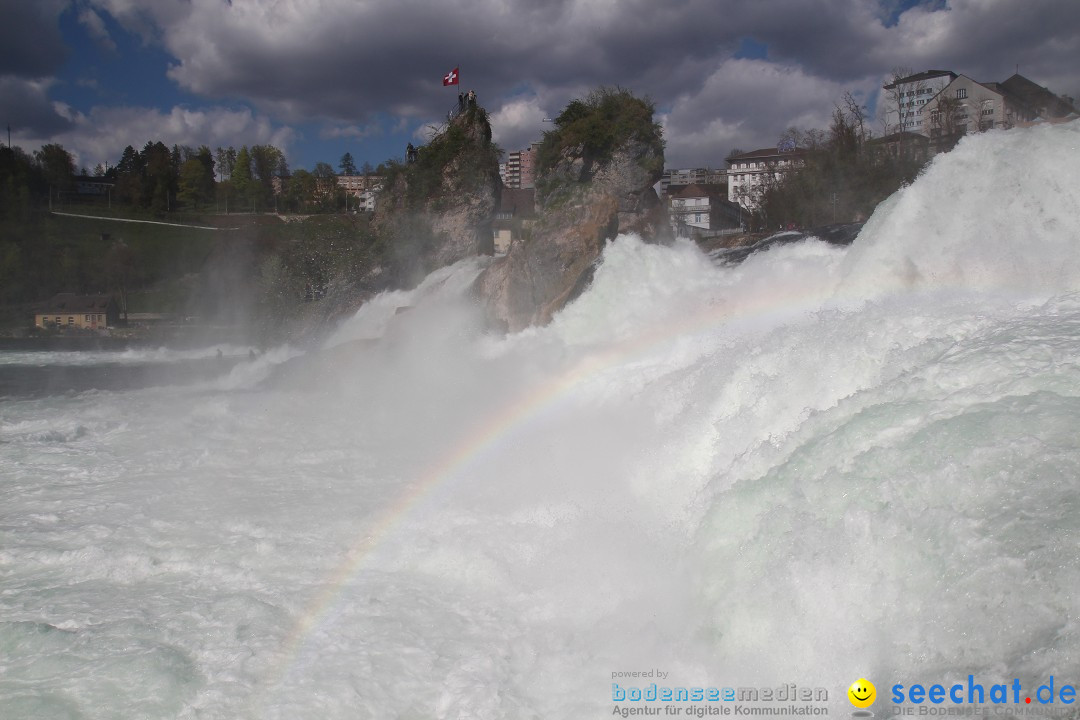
[
  {"x": 159, "y": 179},
  {"x": 42, "y": 254}
]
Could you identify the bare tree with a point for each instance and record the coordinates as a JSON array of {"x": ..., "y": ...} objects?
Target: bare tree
[
  {"x": 901, "y": 98},
  {"x": 857, "y": 116},
  {"x": 947, "y": 122}
]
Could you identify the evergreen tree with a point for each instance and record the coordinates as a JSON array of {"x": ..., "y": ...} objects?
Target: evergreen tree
[
  {"x": 159, "y": 176},
  {"x": 241, "y": 177},
  {"x": 265, "y": 161},
  {"x": 129, "y": 174},
  {"x": 348, "y": 167}
]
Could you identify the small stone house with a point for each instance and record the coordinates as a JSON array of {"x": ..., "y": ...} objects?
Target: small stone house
[{"x": 85, "y": 312}]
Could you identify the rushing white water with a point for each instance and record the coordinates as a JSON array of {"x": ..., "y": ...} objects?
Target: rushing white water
[
  {"x": 818, "y": 465},
  {"x": 131, "y": 356}
]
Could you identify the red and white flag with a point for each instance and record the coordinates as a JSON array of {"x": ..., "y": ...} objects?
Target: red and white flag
[{"x": 451, "y": 78}]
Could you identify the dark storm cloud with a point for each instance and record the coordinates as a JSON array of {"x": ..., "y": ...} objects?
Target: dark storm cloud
[
  {"x": 30, "y": 41},
  {"x": 348, "y": 63},
  {"x": 28, "y": 109},
  {"x": 342, "y": 59}
]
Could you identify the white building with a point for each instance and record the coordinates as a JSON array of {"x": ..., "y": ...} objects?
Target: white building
[
  {"x": 691, "y": 207},
  {"x": 702, "y": 211},
  {"x": 751, "y": 172},
  {"x": 363, "y": 188},
  {"x": 965, "y": 106},
  {"x": 907, "y": 97}
]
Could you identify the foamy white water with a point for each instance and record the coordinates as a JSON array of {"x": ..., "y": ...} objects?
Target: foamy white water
[
  {"x": 131, "y": 356},
  {"x": 819, "y": 465}
]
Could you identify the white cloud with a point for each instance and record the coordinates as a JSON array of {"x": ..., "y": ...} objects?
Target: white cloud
[
  {"x": 354, "y": 132},
  {"x": 102, "y": 134},
  {"x": 748, "y": 104},
  {"x": 95, "y": 26},
  {"x": 518, "y": 123}
]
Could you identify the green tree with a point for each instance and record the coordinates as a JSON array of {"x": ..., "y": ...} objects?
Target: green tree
[
  {"x": 300, "y": 190},
  {"x": 57, "y": 166},
  {"x": 599, "y": 124},
  {"x": 159, "y": 176},
  {"x": 265, "y": 162},
  {"x": 129, "y": 172},
  {"x": 12, "y": 272},
  {"x": 21, "y": 180},
  {"x": 241, "y": 177},
  {"x": 196, "y": 183},
  {"x": 348, "y": 167},
  {"x": 328, "y": 195},
  {"x": 226, "y": 160},
  {"x": 841, "y": 179}
]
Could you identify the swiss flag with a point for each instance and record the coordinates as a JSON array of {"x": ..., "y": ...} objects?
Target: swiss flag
[{"x": 451, "y": 78}]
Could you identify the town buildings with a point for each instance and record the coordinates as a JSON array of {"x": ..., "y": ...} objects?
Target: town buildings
[
  {"x": 703, "y": 210},
  {"x": 362, "y": 187},
  {"x": 519, "y": 170},
  {"x": 751, "y": 172},
  {"x": 943, "y": 105},
  {"x": 907, "y": 97},
  {"x": 672, "y": 180}
]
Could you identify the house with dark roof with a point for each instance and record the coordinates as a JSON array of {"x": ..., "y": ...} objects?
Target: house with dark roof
[
  {"x": 85, "y": 312},
  {"x": 516, "y": 212},
  {"x": 702, "y": 209},
  {"x": 966, "y": 105},
  {"x": 1045, "y": 104}
]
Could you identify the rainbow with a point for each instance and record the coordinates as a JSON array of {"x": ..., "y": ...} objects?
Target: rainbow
[{"x": 501, "y": 425}]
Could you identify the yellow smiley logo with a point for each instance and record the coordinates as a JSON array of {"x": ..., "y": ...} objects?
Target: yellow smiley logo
[{"x": 862, "y": 693}]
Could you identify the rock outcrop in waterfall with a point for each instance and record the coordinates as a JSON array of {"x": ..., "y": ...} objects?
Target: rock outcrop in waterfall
[
  {"x": 595, "y": 179},
  {"x": 439, "y": 207}
]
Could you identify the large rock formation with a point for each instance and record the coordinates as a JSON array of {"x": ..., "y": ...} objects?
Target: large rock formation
[
  {"x": 439, "y": 208},
  {"x": 597, "y": 172}
]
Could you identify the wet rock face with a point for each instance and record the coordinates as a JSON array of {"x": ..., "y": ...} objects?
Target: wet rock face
[
  {"x": 583, "y": 203},
  {"x": 439, "y": 209}
]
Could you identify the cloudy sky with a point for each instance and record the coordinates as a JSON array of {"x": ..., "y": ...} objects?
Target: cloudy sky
[{"x": 318, "y": 78}]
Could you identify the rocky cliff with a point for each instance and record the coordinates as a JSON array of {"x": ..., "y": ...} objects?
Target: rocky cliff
[
  {"x": 438, "y": 208},
  {"x": 595, "y": 180}
]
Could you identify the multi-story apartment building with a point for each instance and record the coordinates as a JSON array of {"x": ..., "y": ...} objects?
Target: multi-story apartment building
[
  {"x": 906, "y": 99},
  {"x": 751, "y": 172},
  {"x": 520, "y": 168}
]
